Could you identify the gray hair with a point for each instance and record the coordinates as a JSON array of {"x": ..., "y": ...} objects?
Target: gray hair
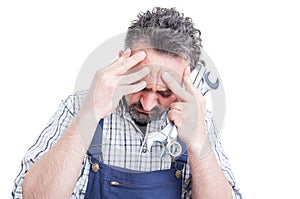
[{"x": 167, "y": 31}]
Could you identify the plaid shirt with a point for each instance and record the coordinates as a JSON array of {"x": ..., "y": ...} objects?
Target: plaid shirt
[{"x": 122, "y": 142}]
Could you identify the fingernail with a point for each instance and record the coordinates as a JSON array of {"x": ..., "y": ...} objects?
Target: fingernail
[
  {"x": 127, "y": 51},
  {"x": 145, "y": 70},
  {"x": 189, "y": 70},
  {"x": 141, "y": 54},
  {"x": 141, "y": 85},
  {"x": 166, "y": 75}
]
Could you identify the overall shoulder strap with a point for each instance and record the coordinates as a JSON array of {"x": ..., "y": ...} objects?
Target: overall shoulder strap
[
  {"x": 183, "y": 158},
  {"x": 95, "y": 149}
]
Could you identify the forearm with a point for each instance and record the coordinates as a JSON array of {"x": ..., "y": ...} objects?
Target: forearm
[
  {"x": 55, "y": 174},
  {"x": 208, "y": 179}
]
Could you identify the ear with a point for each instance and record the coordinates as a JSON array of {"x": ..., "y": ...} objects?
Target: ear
[{"x": 121, "y": 53}]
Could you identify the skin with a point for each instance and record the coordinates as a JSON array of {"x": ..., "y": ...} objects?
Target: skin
[
  {"x": 156, "y": 93},
  {"x": 142, "y": 76}
]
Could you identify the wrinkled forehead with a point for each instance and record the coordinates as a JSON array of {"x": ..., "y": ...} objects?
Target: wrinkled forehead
[
  {"x": 158, "y": 63},
  {"x": 155, "y": 75}
]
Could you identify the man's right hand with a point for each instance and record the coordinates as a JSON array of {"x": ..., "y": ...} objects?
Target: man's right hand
[
  {"x": 113, "y": 82},
  {"x": 60, "y": 166}
]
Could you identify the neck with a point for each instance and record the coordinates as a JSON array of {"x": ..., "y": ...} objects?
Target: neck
[{"x": 142, "y": 127}]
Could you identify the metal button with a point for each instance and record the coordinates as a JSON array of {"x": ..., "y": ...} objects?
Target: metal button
[
  {"x": 95, "y": 167},
  {"x": 178, "y": 174}
]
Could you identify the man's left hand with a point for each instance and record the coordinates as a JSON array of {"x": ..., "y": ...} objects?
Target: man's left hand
[{"x": 188, "y": 112}]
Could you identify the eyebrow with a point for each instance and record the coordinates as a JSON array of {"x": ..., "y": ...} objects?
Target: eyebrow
[{"x": 164, "y": 90}]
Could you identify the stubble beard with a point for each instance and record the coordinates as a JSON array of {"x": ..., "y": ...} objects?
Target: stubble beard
[{"x": 144, "y": 118}]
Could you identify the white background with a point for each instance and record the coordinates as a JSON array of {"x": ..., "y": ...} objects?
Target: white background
[{"x": 254, "y": 44}]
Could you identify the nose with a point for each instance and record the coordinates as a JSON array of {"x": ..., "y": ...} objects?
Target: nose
[{"x": 149, "y": 100}]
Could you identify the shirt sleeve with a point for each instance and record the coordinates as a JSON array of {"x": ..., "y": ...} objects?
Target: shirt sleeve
[
  {"x": 48, "y": 137},
  {"x": 220, "y": 155}
]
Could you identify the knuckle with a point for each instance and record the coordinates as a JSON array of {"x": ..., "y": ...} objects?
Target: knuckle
[
  {"x": 122, "y": 65},
  {"x": 171, "y": 114}
]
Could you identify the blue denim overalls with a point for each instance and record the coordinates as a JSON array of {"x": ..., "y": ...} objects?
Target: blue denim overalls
[{"x": 109, "y": 182}]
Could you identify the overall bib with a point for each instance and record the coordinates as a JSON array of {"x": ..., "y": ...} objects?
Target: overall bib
[{"x": 110, "y": 182}]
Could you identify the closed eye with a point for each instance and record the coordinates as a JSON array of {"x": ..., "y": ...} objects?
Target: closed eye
[{"x": 165, "y": 94}]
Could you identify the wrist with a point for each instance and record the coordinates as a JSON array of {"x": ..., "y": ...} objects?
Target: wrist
[
  {"x": 199, "y": 146},
  {"x": 89, "y": 112},
  {"x": 72, "y": 133},
  {"x": 85, "y": 123}
]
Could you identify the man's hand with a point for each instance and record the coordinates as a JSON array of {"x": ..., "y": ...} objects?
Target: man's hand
[
  {"x": 188, "y": 113},
  {"x": 111, "y": 83}
]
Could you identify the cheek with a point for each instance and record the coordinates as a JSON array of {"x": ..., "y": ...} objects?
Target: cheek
[
  {"x": 133, "y": 98},
  {"x": 166, "y": 102}
]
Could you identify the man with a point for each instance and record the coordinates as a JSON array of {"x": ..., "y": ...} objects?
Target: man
[{"x": 95, "y": 146}]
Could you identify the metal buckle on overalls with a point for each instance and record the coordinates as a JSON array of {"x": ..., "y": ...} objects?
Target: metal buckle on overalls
[
  {"x": 178, "y": 172},
  {"x": 95, "y": 165}
]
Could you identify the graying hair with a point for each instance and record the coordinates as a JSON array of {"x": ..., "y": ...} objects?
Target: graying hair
[{"x": 167, "y": 31}]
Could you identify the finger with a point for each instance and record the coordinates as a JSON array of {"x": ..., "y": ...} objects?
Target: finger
[
  {"x": 126, "y": 53},
  {"x": 120, "y": 58},
  {"x": 134, "y": 77},
  {"x": 175, "y": 87},
  {"x": 176, "y": 106},
  {"x": 128, "y": 89},
  {"x": 187, "y": 79},
  {"x": 121, "y": 52},
  {"x": 128, "y": 63},
  {"x": 176, "y": 117}
]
